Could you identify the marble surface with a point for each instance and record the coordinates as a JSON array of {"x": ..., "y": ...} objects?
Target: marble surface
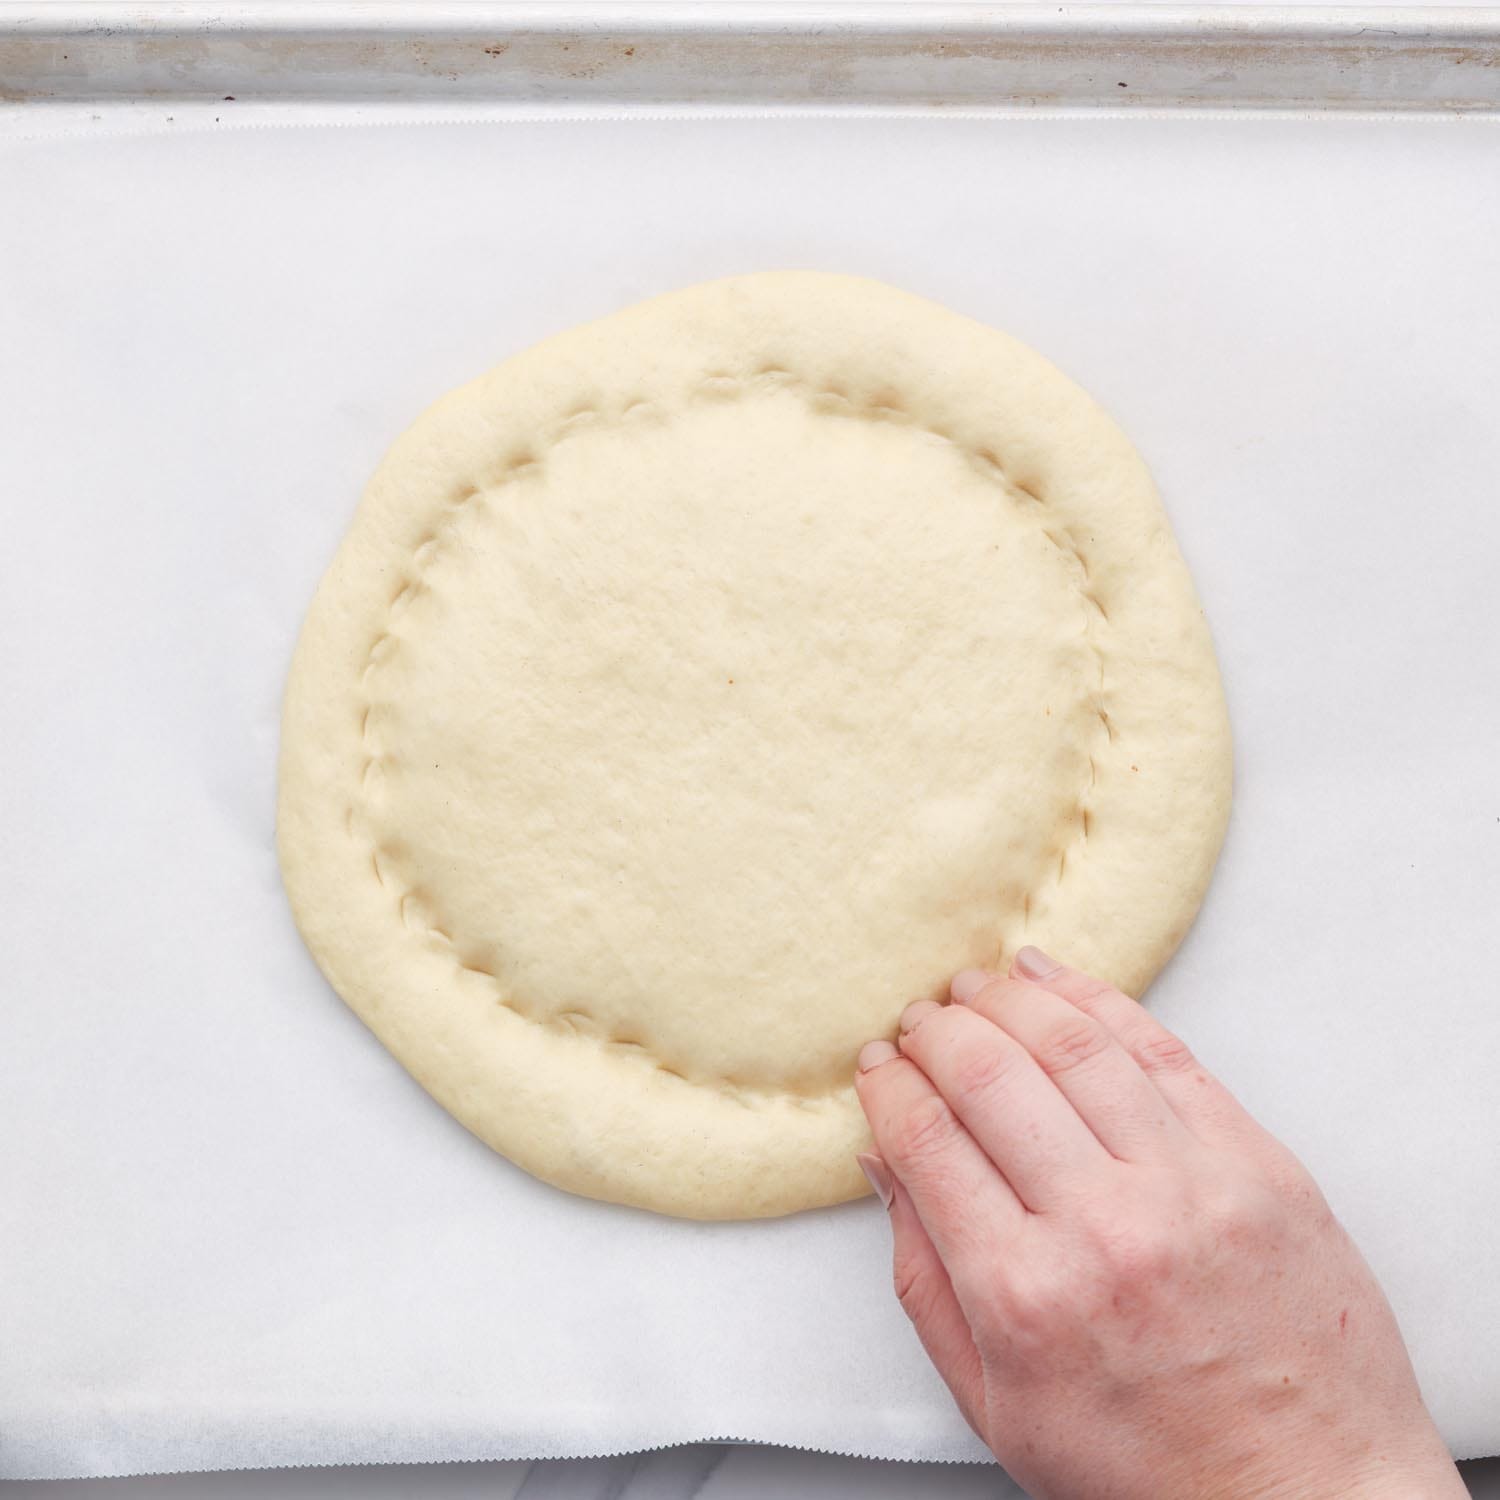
[{"x": 703, "y": 1472}]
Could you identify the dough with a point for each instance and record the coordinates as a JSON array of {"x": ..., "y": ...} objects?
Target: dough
[{"x": 700, "y": 687}]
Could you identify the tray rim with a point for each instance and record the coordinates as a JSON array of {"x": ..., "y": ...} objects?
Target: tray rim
[
  {"x": 889, "y": 53},
  {"x": 735, "y": 17}
]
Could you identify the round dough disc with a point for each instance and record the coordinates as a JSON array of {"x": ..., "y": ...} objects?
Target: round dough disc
[{"x": 699, "y": 688}]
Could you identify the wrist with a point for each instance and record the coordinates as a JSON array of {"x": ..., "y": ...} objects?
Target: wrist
[
  {"x": 1328, "y": 1464},
  {"x": 1385, "y": 1477}
]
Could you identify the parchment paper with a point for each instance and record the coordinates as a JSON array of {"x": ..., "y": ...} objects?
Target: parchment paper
[{"x": 232, "y": 1231}]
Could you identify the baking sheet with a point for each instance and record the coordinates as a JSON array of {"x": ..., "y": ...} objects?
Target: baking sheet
[
  {"x": 75, "y": 56},
  {"x": 232, "y": 1232}
]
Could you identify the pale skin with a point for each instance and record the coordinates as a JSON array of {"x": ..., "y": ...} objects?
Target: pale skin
[{"x": 1133, "y": 1291}]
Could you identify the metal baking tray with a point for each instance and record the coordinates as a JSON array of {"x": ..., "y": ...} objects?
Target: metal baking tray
[{"x": 738, "y": 55}]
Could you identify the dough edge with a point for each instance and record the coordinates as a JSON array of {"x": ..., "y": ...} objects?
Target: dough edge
[{"x": 1120, "y": 909}]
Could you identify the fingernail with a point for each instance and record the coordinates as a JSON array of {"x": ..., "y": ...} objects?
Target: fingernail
[
  {"x": 915, "y": 1013},
  {"x": 1035, "y": 964},
  {"x": 968, "y": 984},
  {"x": 872, "y": 1054},
  {"x": 879, "y": 1175}
]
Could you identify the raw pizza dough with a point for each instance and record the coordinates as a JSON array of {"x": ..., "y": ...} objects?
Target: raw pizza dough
[{"x": 698, "y": 688}]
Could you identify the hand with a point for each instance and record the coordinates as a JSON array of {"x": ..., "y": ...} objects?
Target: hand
[{"x": 1130, "y": 1288}]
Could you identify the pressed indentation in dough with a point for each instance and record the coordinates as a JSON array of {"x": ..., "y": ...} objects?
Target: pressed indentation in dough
[{"x": 887, "y": 406}]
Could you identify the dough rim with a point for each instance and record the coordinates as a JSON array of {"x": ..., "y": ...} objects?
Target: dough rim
[{"x": 805, "y": 1157}]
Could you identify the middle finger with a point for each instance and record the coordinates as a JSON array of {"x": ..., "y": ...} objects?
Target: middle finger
[
  {"x": 1102, "y": 1082},
  {"x": 1007, "y": 1103}
]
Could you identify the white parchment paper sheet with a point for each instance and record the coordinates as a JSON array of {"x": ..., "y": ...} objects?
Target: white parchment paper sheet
[{"x": 232, "y": 1231}]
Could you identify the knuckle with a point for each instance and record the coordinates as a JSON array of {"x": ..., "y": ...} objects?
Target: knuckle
[
  {"x": 1241, "y": 1213},
  {"x": 926, "y": 1130},
  {"x": 1070, "y": 1044},
  {"x": 1292, "y": 1187},
  {"x": 1159, "y": 1051},
  {"x": 985, "y": 1069},
  {"x": 915, "y": 1287},
  {"x": 999, "y": 994},
  {"x": 1035, "y": 1311},
  {"x": 1086, "y": 992},
  {"x": 1281, "y": 1168},
  {"x": 1139, "y": 1256},
  {"x": 1089, "y": 988}
]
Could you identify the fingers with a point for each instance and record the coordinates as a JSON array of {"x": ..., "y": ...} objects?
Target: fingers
[
  {"x": 966, "y": 1207},
  {"x": 1006, "y": 1103},
  {"x": 1086, "y": 1062},
  {"x": 926, "y": 1293},
  {"x": 1196, "y": 1097}
]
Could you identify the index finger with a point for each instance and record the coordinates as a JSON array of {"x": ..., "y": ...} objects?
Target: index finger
[{"x": 963, "y": 1201}]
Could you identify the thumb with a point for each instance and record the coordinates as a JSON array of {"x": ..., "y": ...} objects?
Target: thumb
[{"x": 926, "y": 1294}]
